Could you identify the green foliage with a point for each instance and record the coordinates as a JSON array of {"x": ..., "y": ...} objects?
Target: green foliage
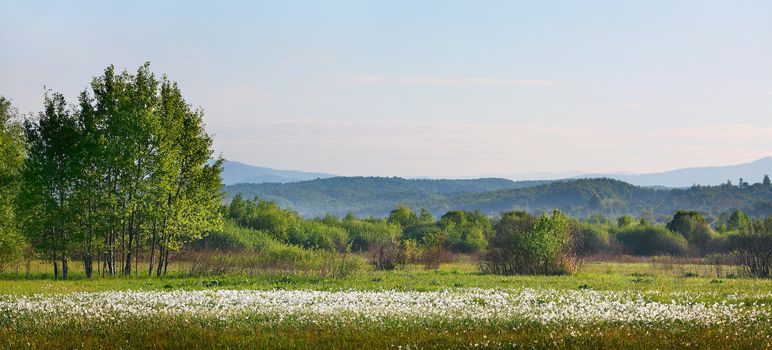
[
  {"x": 692, "y": 225},
  {"x": 404, "y": 217},
  {"x": 457, "y": 230},
  {"x": 366, "y": 196},
  {"x": 738, "y": 221},
  {"x": 236, "y": 238},
  {"x": 125, "y": 170},
  {"x": 625, "y": 221},
  {"x": 11, "y": 161},
  {"x": 578, "y": 198},
  {"x": 365, "y": 234},
  {"x": 594, "y": 239},
  {"x": 753, "y": 247},
  {"x": 524, "y": 244},
  {"x": 286, "y": 226},
  {"x": 465, "y": 231},
  {"x": 49, "y": 176},
  {"x": 651, "y": 240},
  {"x": 317, "y": 234}
]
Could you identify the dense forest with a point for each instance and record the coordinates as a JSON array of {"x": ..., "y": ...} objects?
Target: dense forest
[{"x": 364, "y": 196}]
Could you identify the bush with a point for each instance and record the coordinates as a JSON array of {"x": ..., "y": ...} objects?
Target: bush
[
  {"x": 235, "y": 237},
  {"x": 387, "y": 256},
  {"x": 651, "y": 240},
  {"x": 465, "y": 231},
  {"x": 365, "y": 234},
  {"x": 523, "y": 244},
  {"x": 753, "y": 247},
  {"x": 692, "y": 226},
  {"x": 219, "y": 240},
  {"x": 316, "y": 234},
  {"x": 594, "y": 239}
]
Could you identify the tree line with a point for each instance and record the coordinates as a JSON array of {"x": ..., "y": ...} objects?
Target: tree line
[
  {"x": 514, "y": 242},
  {"x": 123, "y": 172}
]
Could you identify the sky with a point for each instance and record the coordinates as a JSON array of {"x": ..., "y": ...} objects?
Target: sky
[{"x": 428, "y": 88}]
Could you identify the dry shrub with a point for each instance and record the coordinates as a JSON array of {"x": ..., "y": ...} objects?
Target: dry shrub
[
  {"x": 387, "y": 256},
  {"x": 434, "y": 255},
  {"x": 318, "y": 263}
]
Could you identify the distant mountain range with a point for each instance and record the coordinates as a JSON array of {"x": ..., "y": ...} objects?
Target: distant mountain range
[
  {"x": 750, "y": 172},
  {"x": 640, "y": 195},
  {"x": 235, "y": 172}
]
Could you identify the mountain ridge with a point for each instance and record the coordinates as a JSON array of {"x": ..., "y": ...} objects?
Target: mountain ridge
[
  {"x": 376, "y": 196},
  {"x": 236, "y": 172},
  {"x": 706, "y": 175}
]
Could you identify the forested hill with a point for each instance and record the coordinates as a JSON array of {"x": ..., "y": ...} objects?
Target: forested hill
[
  {"x": 583, "y": 197},
  {"x": 367, "y": 195}
]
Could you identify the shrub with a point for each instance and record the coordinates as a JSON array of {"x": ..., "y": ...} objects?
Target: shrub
[
  {"x": 692, "y": 226},
  {"x": 594, "y": 239},
  {"x": 651, "y": 240},
  {"x": 365, "y": 234},
  {"x": 219, "y": 240},
  {"x": 235, "y": 237},
  {"x": 718, "y": 261},
  {"x": 316, "y": 234},
  {"x": 465, "y": 231},
  {"x": 523, "y": 244},
  {"x": 752, "y": 247},
  {"x": 387, "y": 256}
]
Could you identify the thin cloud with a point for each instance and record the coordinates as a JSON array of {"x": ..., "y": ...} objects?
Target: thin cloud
[
  {"x": 469, "y": 149},
  {"x": 453, "y": 82},
  {"x": 767, "y": 93},
  {"x": 638, "y": 105}
]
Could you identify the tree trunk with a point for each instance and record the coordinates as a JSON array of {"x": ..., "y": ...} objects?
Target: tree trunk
[
  {"x": 159, "y": 268},
  {"x": 130, "y": 231},
  {"x": 136, "y": 250},
  {"x": 56, "y": 269},
  {"x": 166, "y": 261},
  {"x": 54, "y": 256},
  {"x": 65, "y": 266},
  {"x": 88, "y": 266},
  {"x": 152, "y": 251}
]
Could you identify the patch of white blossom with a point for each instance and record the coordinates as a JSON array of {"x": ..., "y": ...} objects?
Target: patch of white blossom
[{"x": 535, "y": 305}]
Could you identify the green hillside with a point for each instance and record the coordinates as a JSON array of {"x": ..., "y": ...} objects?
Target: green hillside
[{"x": 583, "y": 197}]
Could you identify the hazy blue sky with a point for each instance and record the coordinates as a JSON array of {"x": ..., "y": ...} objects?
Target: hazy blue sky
[{"x": 424, "y": 88}]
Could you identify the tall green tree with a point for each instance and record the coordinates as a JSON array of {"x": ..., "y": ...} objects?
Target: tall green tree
[
  {"x": 738, "y": 221},
  {"x": 692, "y": 226},
  {"x": 49, "y": 182},
  {"x": 188, "y": 184},
  {"x": 125, "y": 171},
  {"x": 11, "y": 161}
]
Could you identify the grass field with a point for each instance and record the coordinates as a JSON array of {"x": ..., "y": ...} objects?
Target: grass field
[{"x": 605, "y": 305}]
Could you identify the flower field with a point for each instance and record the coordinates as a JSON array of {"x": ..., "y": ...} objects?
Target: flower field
[
  {"x": 446, "y": 318},
  {"x": 531, "y": 305}
]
